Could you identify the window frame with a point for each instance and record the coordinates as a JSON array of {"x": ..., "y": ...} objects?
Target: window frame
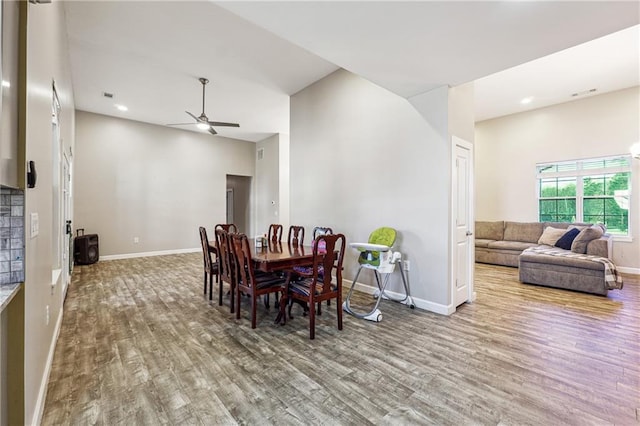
[{"x": 576, "y": 169}]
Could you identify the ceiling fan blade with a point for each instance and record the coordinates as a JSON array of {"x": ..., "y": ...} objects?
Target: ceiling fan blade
[
  {"x": 223, "y": 124},
  {"x": 180, "y": 124},
  {"x": 212, "y": 131},
  {"x": 198, "y": 119}
]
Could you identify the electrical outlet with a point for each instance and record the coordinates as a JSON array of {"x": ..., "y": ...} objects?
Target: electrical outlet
[
  {"x": 407, "y": 265},
  {"x": 136, "y": 240}
]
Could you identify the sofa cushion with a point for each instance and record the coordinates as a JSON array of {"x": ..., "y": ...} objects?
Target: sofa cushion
[
  {"x": 510, "y": 245},
  {"x": 583, "y": 239},
  {"x": 528, "y": 232},
  {"x": 489, "y": 230},
  {"x": 481, "y": 242},
  {"x": 551, "y": 235},
  {"x": 566, "y": 225},
  {"x": 567, "y": 239},
  {"x": 561, "y": 261}
]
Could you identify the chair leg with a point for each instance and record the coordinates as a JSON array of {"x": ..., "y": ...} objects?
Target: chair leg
[
  {"x": 254, "y": 303},
  {"x": 319, "y": 308},
  {"x": 220, "y": 288},
  {"x": 232, "y": 294},
  {"x": 210, "y": 286},
  {"x": 339, "y": 310},
  {"x": 205, "y": 282},
  {"x": 238, "y": 299},
  {"x": 312, "y": 320}
]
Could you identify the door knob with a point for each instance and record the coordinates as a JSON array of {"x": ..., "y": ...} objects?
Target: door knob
[{"x": 469, "y": 233}]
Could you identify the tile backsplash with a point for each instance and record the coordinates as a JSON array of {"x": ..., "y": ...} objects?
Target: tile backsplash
[{"x": 11, "y": 235}]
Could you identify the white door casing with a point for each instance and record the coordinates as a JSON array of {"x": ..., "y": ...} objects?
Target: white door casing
[
  {"x": 230, "y": 202},
  {"x": 462, "y": 256}
]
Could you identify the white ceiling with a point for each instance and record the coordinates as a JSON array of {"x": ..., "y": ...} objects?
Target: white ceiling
[
  {"x": 257, "y": 54},
  {"x": 606, "y": 64}
]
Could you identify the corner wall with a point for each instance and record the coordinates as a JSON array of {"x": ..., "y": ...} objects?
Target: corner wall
[
  {"x": 508, "y": 148},
  {"x": 47, "y": 60},
  {"x": 363, "y": 157}
]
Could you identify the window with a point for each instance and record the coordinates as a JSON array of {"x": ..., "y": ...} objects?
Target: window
[{"x": 595, "y": 190}]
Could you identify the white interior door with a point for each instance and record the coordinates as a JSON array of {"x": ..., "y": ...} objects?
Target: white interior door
[
  {"x": 462, "y": 200},
  {"x": 66, "y": 216}
]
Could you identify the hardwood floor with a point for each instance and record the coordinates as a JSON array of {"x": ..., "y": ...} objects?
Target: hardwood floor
[{"x": 140, "y": 344}]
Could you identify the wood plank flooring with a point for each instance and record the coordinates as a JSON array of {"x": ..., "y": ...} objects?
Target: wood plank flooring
[{"x": 140, "y": 344}]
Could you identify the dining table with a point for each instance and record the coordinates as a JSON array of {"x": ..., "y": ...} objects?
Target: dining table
[{"x": 276, "y": 256}]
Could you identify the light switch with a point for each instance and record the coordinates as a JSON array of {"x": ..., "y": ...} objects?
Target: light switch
[{"x": 35, "y": 225}]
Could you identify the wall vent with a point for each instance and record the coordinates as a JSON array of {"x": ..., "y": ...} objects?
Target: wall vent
[
  {"x": 260, "y": 153},
  {"x": 107, "y": 95}
]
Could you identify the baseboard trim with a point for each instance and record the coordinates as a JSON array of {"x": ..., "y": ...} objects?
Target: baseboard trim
[
  {"x": 42, "y": 394},
  {"x": 149, "y": 253},
  {"x": 420, "y": 303},
  {"x": 627, "y": 270}
]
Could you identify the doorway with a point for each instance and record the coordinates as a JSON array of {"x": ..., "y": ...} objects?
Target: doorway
[{"x": 238, "y": 204}]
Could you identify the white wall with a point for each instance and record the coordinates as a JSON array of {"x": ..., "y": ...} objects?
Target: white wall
[
  {"x": 47, "y": 60},
  {"x": 156, "y": 183},
  {"x": 363, "y": 157},
  {"x": 267, "y": 183},
  {"x": 508, "y": 148}
]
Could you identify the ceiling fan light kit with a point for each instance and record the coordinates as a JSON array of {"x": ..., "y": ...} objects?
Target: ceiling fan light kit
[{"x": 203, "y": 122}]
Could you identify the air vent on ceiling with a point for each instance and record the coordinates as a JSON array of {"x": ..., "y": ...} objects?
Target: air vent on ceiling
[
  {"x": 586, "y": 92},
  {"x": 260, "y": 153},
  {"x": 107, "y": 95}
]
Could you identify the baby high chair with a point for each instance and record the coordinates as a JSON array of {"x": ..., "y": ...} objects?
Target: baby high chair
[{"x": 377, "y": 255}]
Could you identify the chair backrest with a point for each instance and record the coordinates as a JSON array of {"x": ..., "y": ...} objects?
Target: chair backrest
[
  {"x": 327, "y": 260},
  {"x": 275, "y": 232},
  {"x": 229, "y": 227},
  {"x": 321, "y": 230},
  {"x": 242, "y": 252},
  {"x": 225, "y": 260},
  {"x": 384, "y": 236},
  {"x": 204, "y": 241},
  {"x": 296, "y": 235}
]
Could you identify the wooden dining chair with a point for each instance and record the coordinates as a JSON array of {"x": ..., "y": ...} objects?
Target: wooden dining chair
[
  {"x": 321, "y": 230},
  {"x": 249, "y": 282},
  {"x": 229, "y": 227},
  {"x": 210, "y": 267},
  {"x": 296, "y": 235},
  {"x": 321, "y": 286},
  {"x": 226, "y": 266},
  {"x": 306, "y": 270},
  {"x": 275, "y": 233}
]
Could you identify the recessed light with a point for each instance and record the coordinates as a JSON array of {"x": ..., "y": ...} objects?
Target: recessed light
[
  {"x": 526, "y": 100},
  {"x": 122, "y": 107},
  {"x": 5, "y": 83}
]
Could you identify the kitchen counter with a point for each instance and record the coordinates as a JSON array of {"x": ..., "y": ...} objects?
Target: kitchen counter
[{"x": 7, "y": 291}]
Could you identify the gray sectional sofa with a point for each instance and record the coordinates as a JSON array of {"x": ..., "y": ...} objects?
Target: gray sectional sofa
[{"x": 503, "y": 243}]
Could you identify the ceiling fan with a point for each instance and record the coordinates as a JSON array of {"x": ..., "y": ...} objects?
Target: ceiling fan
[{"x": 203, "y": 121}]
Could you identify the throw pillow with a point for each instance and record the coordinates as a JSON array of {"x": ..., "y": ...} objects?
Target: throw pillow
[
  {"x": 551, "y": 235},
  {"x": 567, "y": 239},
  {"x": 583, "y": 239}
]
